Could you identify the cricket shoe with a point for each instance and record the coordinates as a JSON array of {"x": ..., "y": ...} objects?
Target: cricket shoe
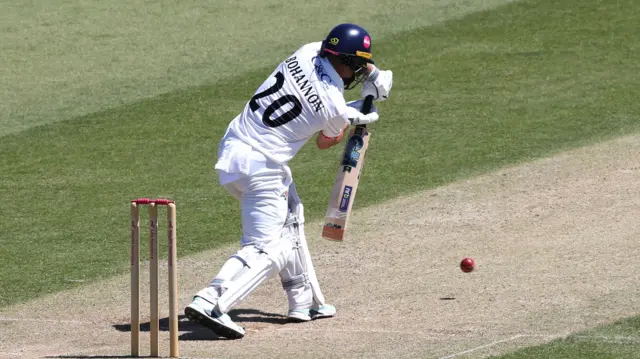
[
  {"x": 305, "y": 315},
  {"x": 203, "y": 312}
]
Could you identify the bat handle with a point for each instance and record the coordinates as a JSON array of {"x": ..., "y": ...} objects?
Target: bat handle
[
  {"x": 367, "y": 104},
  {"x": 366, "y": 107}
]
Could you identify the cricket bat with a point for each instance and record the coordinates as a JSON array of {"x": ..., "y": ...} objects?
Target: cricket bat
[{"x": 347, "y": 178}]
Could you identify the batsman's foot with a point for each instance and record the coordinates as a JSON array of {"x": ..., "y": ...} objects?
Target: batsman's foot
[
  {"x": 305, "y": 315},
  {"x": 205, "y": 313}
]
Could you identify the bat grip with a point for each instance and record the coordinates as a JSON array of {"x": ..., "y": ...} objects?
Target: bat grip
[{"x": 366, "y": 105}]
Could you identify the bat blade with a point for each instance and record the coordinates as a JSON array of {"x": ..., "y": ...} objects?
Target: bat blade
[{"x": 347, "y": 179}]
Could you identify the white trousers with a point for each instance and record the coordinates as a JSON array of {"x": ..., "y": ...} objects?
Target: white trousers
[{"x": 261, "y": 186}]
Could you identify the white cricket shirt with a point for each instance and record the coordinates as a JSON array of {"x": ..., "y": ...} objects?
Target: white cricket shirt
[{"x": 302, "y": 96}]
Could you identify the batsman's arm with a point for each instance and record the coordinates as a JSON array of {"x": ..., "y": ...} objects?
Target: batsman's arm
[
  {"x": 357, "y": 118},
  {"x": 324, "y": 142}
]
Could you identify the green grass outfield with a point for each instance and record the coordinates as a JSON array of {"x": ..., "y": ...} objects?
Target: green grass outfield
[
  {"x": 619, "y": 340},
  {"x": 95, "y": 114}
]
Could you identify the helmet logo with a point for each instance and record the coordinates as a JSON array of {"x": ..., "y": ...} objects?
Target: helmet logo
[
  {"x": 367, "y": 42},
  {"x": 334, "y": 41}
]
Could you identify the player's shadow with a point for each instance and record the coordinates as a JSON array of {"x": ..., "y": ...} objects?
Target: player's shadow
[
  {"x": 194, "y": 331},
  {"x": 256, "y": 316}
]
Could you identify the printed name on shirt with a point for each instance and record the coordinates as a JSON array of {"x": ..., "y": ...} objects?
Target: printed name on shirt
[{"x": 305, "y": 86}]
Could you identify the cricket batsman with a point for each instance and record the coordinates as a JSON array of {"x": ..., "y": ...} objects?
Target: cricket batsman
[{"x": 302, "y": 97}]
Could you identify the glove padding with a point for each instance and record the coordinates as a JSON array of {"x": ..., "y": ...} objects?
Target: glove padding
[
  {"x": 378, "y": 84},
  {"x": 358, "y": 118}
]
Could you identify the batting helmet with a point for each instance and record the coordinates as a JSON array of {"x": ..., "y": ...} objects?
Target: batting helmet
[{"x": 351, "y": 44}]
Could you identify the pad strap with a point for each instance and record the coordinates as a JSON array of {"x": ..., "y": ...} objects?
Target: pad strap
[{"x": 298, "y": 281}]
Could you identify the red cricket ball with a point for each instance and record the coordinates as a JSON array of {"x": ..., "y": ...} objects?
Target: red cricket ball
[{"x": 467, "y": 265}]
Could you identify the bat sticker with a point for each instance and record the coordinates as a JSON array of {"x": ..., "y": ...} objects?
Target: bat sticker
[
  {"x": 346, "y": 196},
  {"x": 352, "y": 152}
]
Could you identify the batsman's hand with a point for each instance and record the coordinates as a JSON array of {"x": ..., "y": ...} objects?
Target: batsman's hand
[
  {"x": 358, "y": 118},
  {"x": 378, "y": 84}
]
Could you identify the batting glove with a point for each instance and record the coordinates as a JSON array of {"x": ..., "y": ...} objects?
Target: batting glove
[
  {"x": 358, "y": 118},
  {"x": 378, "y": 84}
]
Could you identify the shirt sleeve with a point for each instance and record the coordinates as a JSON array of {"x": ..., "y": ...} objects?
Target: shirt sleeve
[{"x": 335, "y": 125}]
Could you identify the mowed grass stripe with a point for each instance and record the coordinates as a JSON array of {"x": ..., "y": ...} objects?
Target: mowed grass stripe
[
  {"x": 63, "y": 59},
  {"x": 488, "y": 90},
  {"x": 619, "y": 340}
]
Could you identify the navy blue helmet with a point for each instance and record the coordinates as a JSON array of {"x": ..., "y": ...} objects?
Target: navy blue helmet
[{"x": 351, "y": 44}]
